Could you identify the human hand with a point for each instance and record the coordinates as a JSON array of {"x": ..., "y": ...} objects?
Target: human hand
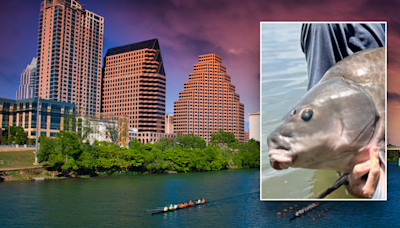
[{"x": 360, "y": 184}]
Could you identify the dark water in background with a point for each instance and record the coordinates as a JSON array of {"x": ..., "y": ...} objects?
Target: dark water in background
[{"x": 120, "y": 201}]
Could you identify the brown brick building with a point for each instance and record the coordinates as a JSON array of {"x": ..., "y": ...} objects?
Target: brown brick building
[
  {"x": 69, "y": 56},
  {"x": 134, "y": 85},
  {"x": 209, "y": 98}
]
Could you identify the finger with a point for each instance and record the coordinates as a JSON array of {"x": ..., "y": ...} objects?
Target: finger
[
  {"x": 373, "y": 176},
  {"x": 361, "y": 169}
]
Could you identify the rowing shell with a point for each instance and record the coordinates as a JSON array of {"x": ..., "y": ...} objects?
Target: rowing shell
[
  {"x": 302, "y": 213},
  {"x": 162, "y": 211}
]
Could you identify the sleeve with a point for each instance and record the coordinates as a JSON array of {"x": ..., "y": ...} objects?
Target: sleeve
[{"x": 326, "y": 44}]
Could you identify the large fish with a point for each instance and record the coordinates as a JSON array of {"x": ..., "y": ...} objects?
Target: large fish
[{"x": 335, "y": 122}]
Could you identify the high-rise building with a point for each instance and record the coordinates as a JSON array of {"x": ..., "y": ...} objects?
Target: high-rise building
[
  {"x": 134, "y": 85},
  {"x": 27, "y": 85},
  {"x": 169, "y": 123},
  {"x": 209, "y": 102},
  {"x": 69, "y": 56},
  {"x": 254, "y": 126},
  {"x": 246, "y": 136},
  {"x": 123, "y": 130}
]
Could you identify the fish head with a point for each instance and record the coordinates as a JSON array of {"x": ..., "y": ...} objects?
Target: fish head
[{"x": 326, "y": 129}]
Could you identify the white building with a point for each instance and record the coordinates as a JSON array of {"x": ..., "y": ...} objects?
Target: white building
[
  {"x": 102, "y": 130},
  {"x": 254, "y": 126},
  {"x": 132, "y": 133},
  {"x": 27, "y": 84}
]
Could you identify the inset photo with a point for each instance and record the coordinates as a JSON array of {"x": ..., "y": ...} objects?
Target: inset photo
[{"x": 323, "y": 111}]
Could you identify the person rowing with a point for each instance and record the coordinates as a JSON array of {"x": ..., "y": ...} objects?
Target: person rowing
[
  {"x": 180, "y": 205},
  {"x": 165, "y": 208},
  {"x": 199, "y": 201},
  {"x": 203, "y": 201},
  {"x": 185, "y": 205},
  {"x": 171, "y": 207},
  {"x": 190, "y": 203},
  {"x": 175, "y": 207}
]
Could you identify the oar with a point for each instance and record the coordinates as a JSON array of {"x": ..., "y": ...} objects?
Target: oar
[
  {"x": 341, "y": 181},
  {"x": 158, "y": 208}
]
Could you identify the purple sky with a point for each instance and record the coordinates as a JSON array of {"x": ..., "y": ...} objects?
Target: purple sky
[{"x": 186, "y": 29}]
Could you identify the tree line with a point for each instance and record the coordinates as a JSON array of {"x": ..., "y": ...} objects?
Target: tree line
[{"x": 186, "y": 153}]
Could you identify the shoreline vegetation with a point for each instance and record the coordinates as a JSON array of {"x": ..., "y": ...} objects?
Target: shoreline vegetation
[{"x": 67, "y": 156}]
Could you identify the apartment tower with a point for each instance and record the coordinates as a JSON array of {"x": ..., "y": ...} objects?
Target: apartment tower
[
  {"x": 169, "y": 123},
  {"x": 208, "y": 102},
  {"x": 69, "y": 56},
  {"x": 134, "y": 85},
  {"x": 28, "y": 80}
]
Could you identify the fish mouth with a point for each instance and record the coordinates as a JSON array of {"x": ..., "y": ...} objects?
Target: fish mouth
[{"x": 281, "y": 158}]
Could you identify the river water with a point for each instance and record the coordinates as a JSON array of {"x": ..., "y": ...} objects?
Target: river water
[{"x": 121, "y": 201}]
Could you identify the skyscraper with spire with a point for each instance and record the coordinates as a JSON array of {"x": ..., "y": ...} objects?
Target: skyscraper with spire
[
  {"x": 27, "y": 84},
  {"x": 208, "y": 102},
  {"x": 69, "y": 57}
]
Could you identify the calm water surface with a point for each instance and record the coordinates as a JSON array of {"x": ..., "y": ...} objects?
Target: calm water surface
[{"x": 121, "y": 201}]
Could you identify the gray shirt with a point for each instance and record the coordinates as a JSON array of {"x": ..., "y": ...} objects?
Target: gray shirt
[{"x": 326, "y": 44}]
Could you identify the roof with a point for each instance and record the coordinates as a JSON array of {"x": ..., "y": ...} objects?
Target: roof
[{"x": 151, "y": 44}]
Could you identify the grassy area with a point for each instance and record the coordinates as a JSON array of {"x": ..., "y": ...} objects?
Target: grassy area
[{"x": 15, "y": 159}]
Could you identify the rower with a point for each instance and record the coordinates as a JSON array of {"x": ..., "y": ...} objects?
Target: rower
[
  {"x": 185, "y": 204},
  {"x": 165, "y": 208},
  {"x": 180, "y": 205},
  {"x": 203, "y": 201},
  {"x": 175, "y": 207},
  {"x": 171, "y": 207},
  {"x": 190, "y": 203},
  {"x": 199, "y": 201}
]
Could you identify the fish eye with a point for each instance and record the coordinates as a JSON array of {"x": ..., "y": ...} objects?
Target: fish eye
[
  {"x": 307, "y": 114},
  {"x": 293, "y": 112}
]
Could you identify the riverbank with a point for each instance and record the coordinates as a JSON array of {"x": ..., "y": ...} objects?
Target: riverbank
[{"x": 42, "y": 172}]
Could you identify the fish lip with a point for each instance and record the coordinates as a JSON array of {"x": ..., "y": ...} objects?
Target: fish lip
[{"x": 281, "y": 158}]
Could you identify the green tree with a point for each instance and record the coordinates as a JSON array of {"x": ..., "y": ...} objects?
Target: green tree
[
  {"x": 62, "y": 151},
  {"x": 47, "y": 147},
  {"x": 249, "y": 153},
  {"x": 198, "y": 160},
  {"x": 154, "y": 160},
  {"x": 111, "y": 157},
  {"x": 17, "y": 135},
  {"x": 191, "y": 141},
  {"x": 135, "y": 154},
  {"x": 89, "y": 155},
  {"x": 165, "y": 143},
  {"x": 224, "y": 139},
  {"x": 178, "y": 158}
]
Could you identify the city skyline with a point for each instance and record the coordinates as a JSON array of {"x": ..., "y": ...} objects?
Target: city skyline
[{"x": 230, "y": 29}]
